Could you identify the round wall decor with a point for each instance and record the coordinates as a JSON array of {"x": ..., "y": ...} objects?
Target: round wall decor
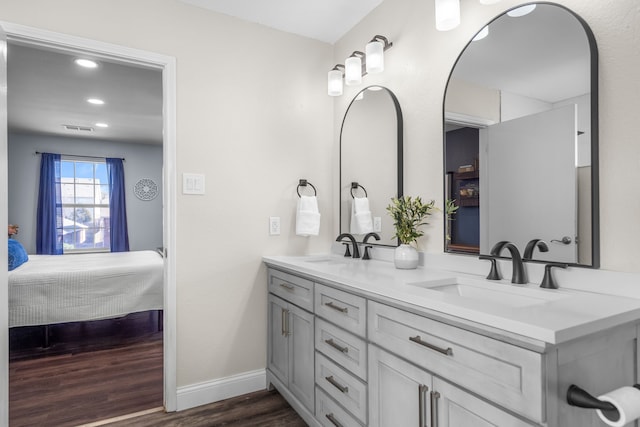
[{"x": 146, "y": 189}]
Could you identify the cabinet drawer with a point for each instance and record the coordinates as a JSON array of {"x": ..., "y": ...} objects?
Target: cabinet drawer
[
  {"x": 291, "y": 288},
  {"x": 344, "y": 348},
  {"x": 330, "y": 414},
  {"x": 342, "y": 308},
  {"x": 503, "y": 373},
  {"x": 344, "y": 388}
]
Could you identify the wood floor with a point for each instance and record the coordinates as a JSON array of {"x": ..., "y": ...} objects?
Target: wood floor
[
  {"x": 97, "y": 371},
  {"x": 78, "y": 381},
  {"x": 262, "y": 408}
]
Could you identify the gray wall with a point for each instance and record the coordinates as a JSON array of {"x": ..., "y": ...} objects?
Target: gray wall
[{"x": 141, "y": 161}]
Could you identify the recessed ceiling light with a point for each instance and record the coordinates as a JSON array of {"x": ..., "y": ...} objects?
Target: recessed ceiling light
[
  {"x": 95, "y": 101},
  {"x": 86, "y": 63},
  {"x": 102, "y": 125}
]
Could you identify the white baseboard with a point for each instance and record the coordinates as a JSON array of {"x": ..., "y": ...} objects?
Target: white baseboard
[{"x": 224, "y": 388}]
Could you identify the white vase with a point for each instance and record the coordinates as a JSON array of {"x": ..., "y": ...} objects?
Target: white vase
[{"x": 406, "y": 257}]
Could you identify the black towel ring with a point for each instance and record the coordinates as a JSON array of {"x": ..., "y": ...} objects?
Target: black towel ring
[
  {"x": 304, "y": 183},
  {"x": 354, "y": 186}
]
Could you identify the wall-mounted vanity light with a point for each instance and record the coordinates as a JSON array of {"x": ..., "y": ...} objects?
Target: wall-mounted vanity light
[{"x": 357, "y": 65}]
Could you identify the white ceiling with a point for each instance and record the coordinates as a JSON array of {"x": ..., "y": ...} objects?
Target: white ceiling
[
  {"x": 325, "y": 20},
  {"x": 46, "y": 91}
]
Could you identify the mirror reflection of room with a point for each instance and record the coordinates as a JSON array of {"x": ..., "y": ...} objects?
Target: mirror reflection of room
[
  {"x": 370, "y": 164},
  {"x": 518, "y": 141}
]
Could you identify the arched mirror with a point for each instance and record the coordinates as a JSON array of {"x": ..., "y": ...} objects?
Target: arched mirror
[
  {"x": 370, "y": 163},
  {"x": 521, "y": 137}
]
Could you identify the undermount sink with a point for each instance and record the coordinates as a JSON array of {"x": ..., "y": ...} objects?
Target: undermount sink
[{"x": 495, "y": 293}]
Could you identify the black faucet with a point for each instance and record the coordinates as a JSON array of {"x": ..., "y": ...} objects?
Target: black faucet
[
  {"x": 547, "y": 280},
  {"x": 519, "y": 274},
  {"x": 356, "y": 252},
  {"x": 532, "y": 245},
  {"x": 367, "y": 247}
]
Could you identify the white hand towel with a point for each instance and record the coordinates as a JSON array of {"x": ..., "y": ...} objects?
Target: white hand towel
[
  {"x": 307, "y": 216},
  {"x": 361, "y": 221}
]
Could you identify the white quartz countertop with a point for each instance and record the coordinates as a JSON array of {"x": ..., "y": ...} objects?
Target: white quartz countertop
[{"x": 557, "y": 316}]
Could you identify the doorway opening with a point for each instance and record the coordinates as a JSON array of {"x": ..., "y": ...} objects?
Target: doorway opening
[{"x": 27, "y": 36}]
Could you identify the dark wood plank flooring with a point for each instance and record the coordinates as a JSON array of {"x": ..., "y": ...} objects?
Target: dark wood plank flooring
[
  {"x": 259, "y": 409},
  {"x": 92, "y": 371}
]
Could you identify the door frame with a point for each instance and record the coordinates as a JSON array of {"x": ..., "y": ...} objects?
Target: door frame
[{"x": 44, "y": 38}]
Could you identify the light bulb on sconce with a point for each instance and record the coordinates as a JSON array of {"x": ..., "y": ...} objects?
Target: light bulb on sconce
[
  {"x": 447, "y": 14},
  {"x": 334, "y": 81},
  {"x": 353, "y": 69}
]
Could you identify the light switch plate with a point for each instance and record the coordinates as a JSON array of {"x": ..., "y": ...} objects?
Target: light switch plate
[
  {"x": 274, "y": 225},
  {"x": 192, "y": 183}
]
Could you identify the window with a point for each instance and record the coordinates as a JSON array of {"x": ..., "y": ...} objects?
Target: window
[{"x": 85, "y": 205}]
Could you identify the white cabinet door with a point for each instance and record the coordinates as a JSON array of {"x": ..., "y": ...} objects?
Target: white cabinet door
[
  {"x": 453, "y": 407},
  {"x": 300, "y": 329},
  {"x": 278, "y": 341},
  {"x": 398, "y": 391}
]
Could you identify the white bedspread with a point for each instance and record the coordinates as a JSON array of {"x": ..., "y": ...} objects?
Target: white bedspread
[{"x": 69, "y": 288}]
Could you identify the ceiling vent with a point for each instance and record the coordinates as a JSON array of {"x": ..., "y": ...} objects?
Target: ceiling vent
[{"x": 78, "y": 128}]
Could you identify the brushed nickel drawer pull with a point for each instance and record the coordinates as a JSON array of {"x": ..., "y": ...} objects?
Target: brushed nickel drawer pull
[
  {"x": 337, "y": 385},
  {"x": 422, "y": 405},
  {"x": 336, "y": 346},
  {"x": 283, "y": 324},
  {"x": 287, "y": 286},
  {"x": 330, "y": 304},
  {"x": 333, "y": 420},
  {"x": 447, "y": 351},
  {"x": 434, "y": 408}
]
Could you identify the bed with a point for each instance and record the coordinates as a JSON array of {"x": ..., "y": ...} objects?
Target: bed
[{"x": 51, "y": 289}]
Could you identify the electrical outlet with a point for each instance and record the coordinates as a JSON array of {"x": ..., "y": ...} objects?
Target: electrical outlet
[
  {"x": 274, "y": 225},
  {"x": 377, "y": 224}
]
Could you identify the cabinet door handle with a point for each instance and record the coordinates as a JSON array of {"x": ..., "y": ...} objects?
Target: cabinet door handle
[
  {"x": 434, "y": 408},
  {"x": 336, "y": 384},
  {"x": 331, "y": 304},
  {"x": 336, "y": 346},
  {"x": 446, "y": 351},
  {"x": 287, "y": 286},
  {"x": 422, "y": 405},
  {"x": 333, "y": 420},
  {"x": 285, "y": 322}
]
